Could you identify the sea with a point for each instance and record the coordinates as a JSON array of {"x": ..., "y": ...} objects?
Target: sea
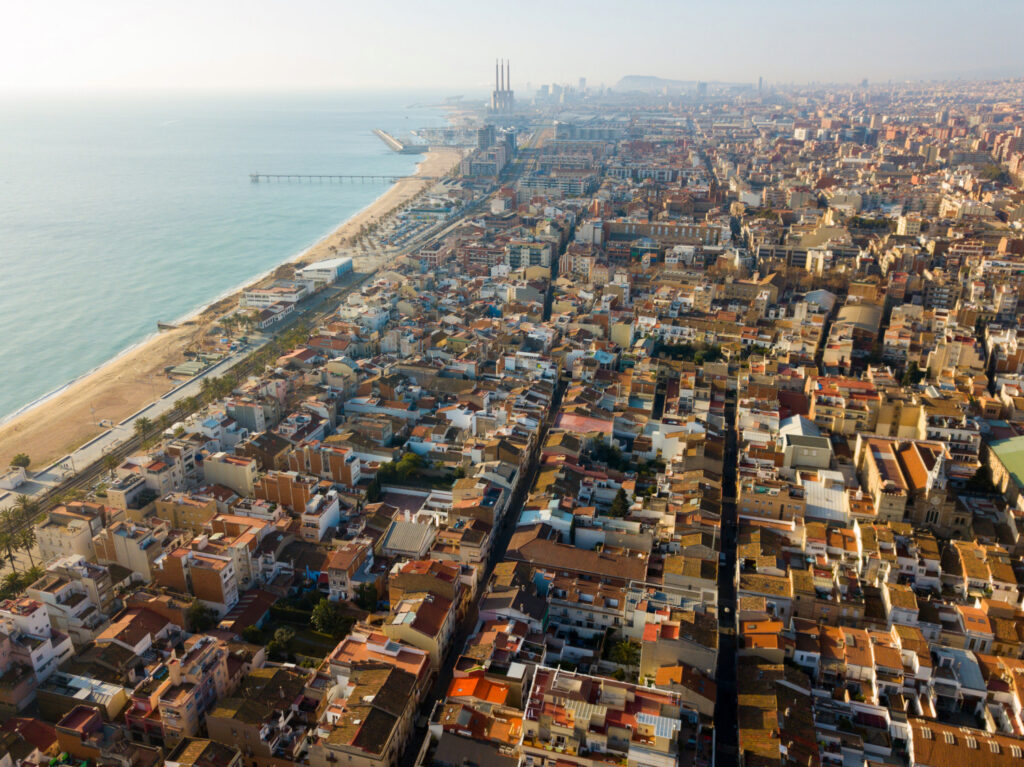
[{"x": 117, "y": 212}]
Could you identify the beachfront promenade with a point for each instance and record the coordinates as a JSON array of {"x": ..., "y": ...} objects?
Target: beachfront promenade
[
  {"x": 123, "y": 433},
  {"x": 121, "y": 438},
  {"x": 258, "y": 177}
]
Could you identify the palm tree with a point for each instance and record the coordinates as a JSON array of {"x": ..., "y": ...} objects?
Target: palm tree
[
  {"x": 33, "y": 574},
  {"x": 206, "y": 387},
  {"x": 191, "y": 404},
  {"x": 143, "y": 426},
  {"x": 7, "y": 543},
  {"x": 110, "y": 462},
  {"x": 26, "y": 506},
  {"x": 26, "y": 541},
  {"x": 12, "y": 583}
]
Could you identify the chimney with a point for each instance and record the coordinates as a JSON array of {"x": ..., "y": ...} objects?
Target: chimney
[
  {"x": 508, "y": 75},
  {"x": 497, "y": 87}
]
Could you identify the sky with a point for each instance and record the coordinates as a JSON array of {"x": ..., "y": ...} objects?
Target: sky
[{"x": 103, "y": 45}]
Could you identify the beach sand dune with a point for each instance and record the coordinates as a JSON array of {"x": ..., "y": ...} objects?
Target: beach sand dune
[{"x": 121, "y": 387}]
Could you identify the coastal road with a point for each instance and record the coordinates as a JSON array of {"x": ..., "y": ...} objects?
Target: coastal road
[{"x": 120, "y": 439}]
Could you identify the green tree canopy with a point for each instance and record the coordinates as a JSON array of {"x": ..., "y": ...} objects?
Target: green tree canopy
[
  {"x": 626, "y": 653},
  {"x": 620, "y": 506},
  {"x": 143, "y": 426},
  {"x": 366, "y": 597},
  {"x": 373, "y": 492},
  {"x": 200, "y": 617},
  {"x": 913, "y": 375},
  {"x": 21, "y": 461},
  {"x": 328, "y": 618}
]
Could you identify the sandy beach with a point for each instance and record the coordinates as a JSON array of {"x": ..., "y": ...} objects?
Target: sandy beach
[{"x": 119, "y": 388}]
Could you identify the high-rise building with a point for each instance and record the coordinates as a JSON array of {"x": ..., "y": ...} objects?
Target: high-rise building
[{"x": 485, "y": 137}]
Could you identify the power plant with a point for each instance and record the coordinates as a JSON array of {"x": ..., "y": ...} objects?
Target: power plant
[{"x": 502, "y": 98}]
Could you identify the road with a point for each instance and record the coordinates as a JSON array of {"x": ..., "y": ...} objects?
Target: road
[
  {"x": 499, "y": 548},
  {"x": 726, "y": 735}
]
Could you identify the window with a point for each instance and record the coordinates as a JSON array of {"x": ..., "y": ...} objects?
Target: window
[{"x": 949, "y": 738}]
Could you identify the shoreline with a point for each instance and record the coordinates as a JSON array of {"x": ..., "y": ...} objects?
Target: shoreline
[{"x": 68, "y": 416}]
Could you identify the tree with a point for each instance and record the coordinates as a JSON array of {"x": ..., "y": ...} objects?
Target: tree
[
  {"x": 12, "y": 584},
  {"x": 206, "y": 388},
  {"x": 913, "y": 375},
  {"x": 26, "y": 541},
  {"x": 994, "y": 172},
  {"x": 26, "y": 507},
  {"x": 252, "y": 634},
  {"x": 110, "y": 463},
  {"x": 625, "y": 653},
  {"x": 143, "y": 426},
  {"x": 328, "y": 618},
  {"x": 366, "y": 597},
  {"x": 200, "y": 617},
  {"x": 409, "y": 464},
  {"x": 21, "y": 461},
  {"x": 7, "y": 544},
  {"x": 284, "y": 635},
  {"x": 610, "y": 455},
  {"x": 620, "y": 506},
  {"x": 373, "y": 492}
]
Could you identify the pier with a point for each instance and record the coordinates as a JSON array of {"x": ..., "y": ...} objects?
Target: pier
[{"x": 258, "y": 177}]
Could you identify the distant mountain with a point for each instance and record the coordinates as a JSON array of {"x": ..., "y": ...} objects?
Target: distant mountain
[{"x": 648, "y": 83}]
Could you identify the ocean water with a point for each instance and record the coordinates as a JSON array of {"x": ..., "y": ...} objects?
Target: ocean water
[{"x": 118, "y": 212}]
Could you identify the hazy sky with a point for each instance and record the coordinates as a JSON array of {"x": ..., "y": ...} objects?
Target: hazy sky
[{"x": 274, "y": 44}]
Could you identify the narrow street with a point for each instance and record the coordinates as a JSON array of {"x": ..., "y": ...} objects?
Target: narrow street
[
  {"x": 497, "y": 554},
  {"x": 502, "y": 537},
  {"x": 726, "y": 734}
]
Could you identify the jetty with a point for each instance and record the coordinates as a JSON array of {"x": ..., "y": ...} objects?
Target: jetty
[{"x": 399, "y": 146}]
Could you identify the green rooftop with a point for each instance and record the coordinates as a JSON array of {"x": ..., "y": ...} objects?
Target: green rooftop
[{"x": 1010, "y": 453}]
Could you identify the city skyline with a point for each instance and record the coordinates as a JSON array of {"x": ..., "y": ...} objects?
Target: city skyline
[{"x": 315, "y": 45}]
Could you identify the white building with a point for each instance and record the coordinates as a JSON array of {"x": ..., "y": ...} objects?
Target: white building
[
  {"x": 261, "y": 298},
  {"x": 326, "y": 272},
  {"x": 27, "y": 623}
]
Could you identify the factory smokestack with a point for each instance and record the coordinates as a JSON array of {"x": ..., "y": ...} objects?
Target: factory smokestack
[
  {"x": 508, "y": 74},
  {"x": 497, "y": 87}
]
